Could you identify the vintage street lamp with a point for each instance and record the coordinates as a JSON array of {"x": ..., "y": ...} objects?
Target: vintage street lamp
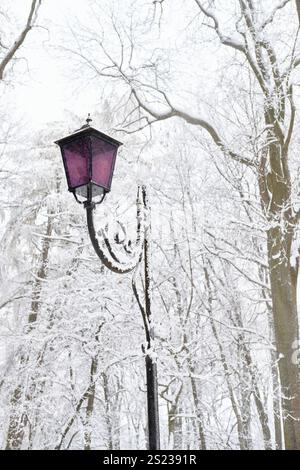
[{"x": 89, "y": 159}]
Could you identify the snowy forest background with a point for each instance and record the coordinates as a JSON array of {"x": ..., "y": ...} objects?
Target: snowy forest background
[{"x": 205, "y": 96}]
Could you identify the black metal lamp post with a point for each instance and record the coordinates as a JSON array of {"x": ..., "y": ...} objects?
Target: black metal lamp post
[{"x": 89, "y": 159}]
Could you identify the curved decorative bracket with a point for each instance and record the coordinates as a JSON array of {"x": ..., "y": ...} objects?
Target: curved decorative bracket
[{"x": 132, "y": 252}]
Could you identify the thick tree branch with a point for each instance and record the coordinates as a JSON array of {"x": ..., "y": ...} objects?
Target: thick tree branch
[
  {"x": 292, "y": 121},
  {"x": 224, "y": 40},
  {"x": 21, "y": 38},
  {"x": 237, "y": 45},
  {"x": 195, "y": 121},
  {"x": 270, "y": 18},
  {"x": 298, "y": 9}
]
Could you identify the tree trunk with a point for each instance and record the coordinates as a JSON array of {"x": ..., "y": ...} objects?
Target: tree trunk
[
  {"x": 243, "y": 438},
  {"x": 244, "y": 393},
  {"x": 108, "y": 420},
  {"x": 18, "y": 418},
  {"x": 250, "y": 379},
  {"x": 260, "y": 406},
  {"x": 284, "y": 299},
  {"x": 298, "y": 9},
  {"x": 90, "y": 405},
  {"x": 175, "y": 426},
  {"x": 198, "y": 410},
  {"x": 264, "y": 278}
]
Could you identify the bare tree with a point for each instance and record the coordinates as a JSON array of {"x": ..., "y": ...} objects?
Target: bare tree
[
  {"x": 268, "y": 159},
  {"x": 9, "y": 52}
]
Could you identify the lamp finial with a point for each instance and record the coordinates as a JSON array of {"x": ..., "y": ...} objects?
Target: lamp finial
[{"x": 89, "y": 119}]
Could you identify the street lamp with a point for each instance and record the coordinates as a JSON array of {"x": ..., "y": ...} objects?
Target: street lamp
[{"x": 89, "y": 159}]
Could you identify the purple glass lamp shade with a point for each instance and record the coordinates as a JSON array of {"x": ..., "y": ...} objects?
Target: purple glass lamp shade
[{"x": 89, "y": 158}]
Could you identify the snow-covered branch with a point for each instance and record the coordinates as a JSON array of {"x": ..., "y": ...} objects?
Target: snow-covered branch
[
  {"x": 10, "y": 54},
  {"x": 233, "y": 43},
  {"x": 271, "y": 16},
  {"x": 193, "y": 120}
]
